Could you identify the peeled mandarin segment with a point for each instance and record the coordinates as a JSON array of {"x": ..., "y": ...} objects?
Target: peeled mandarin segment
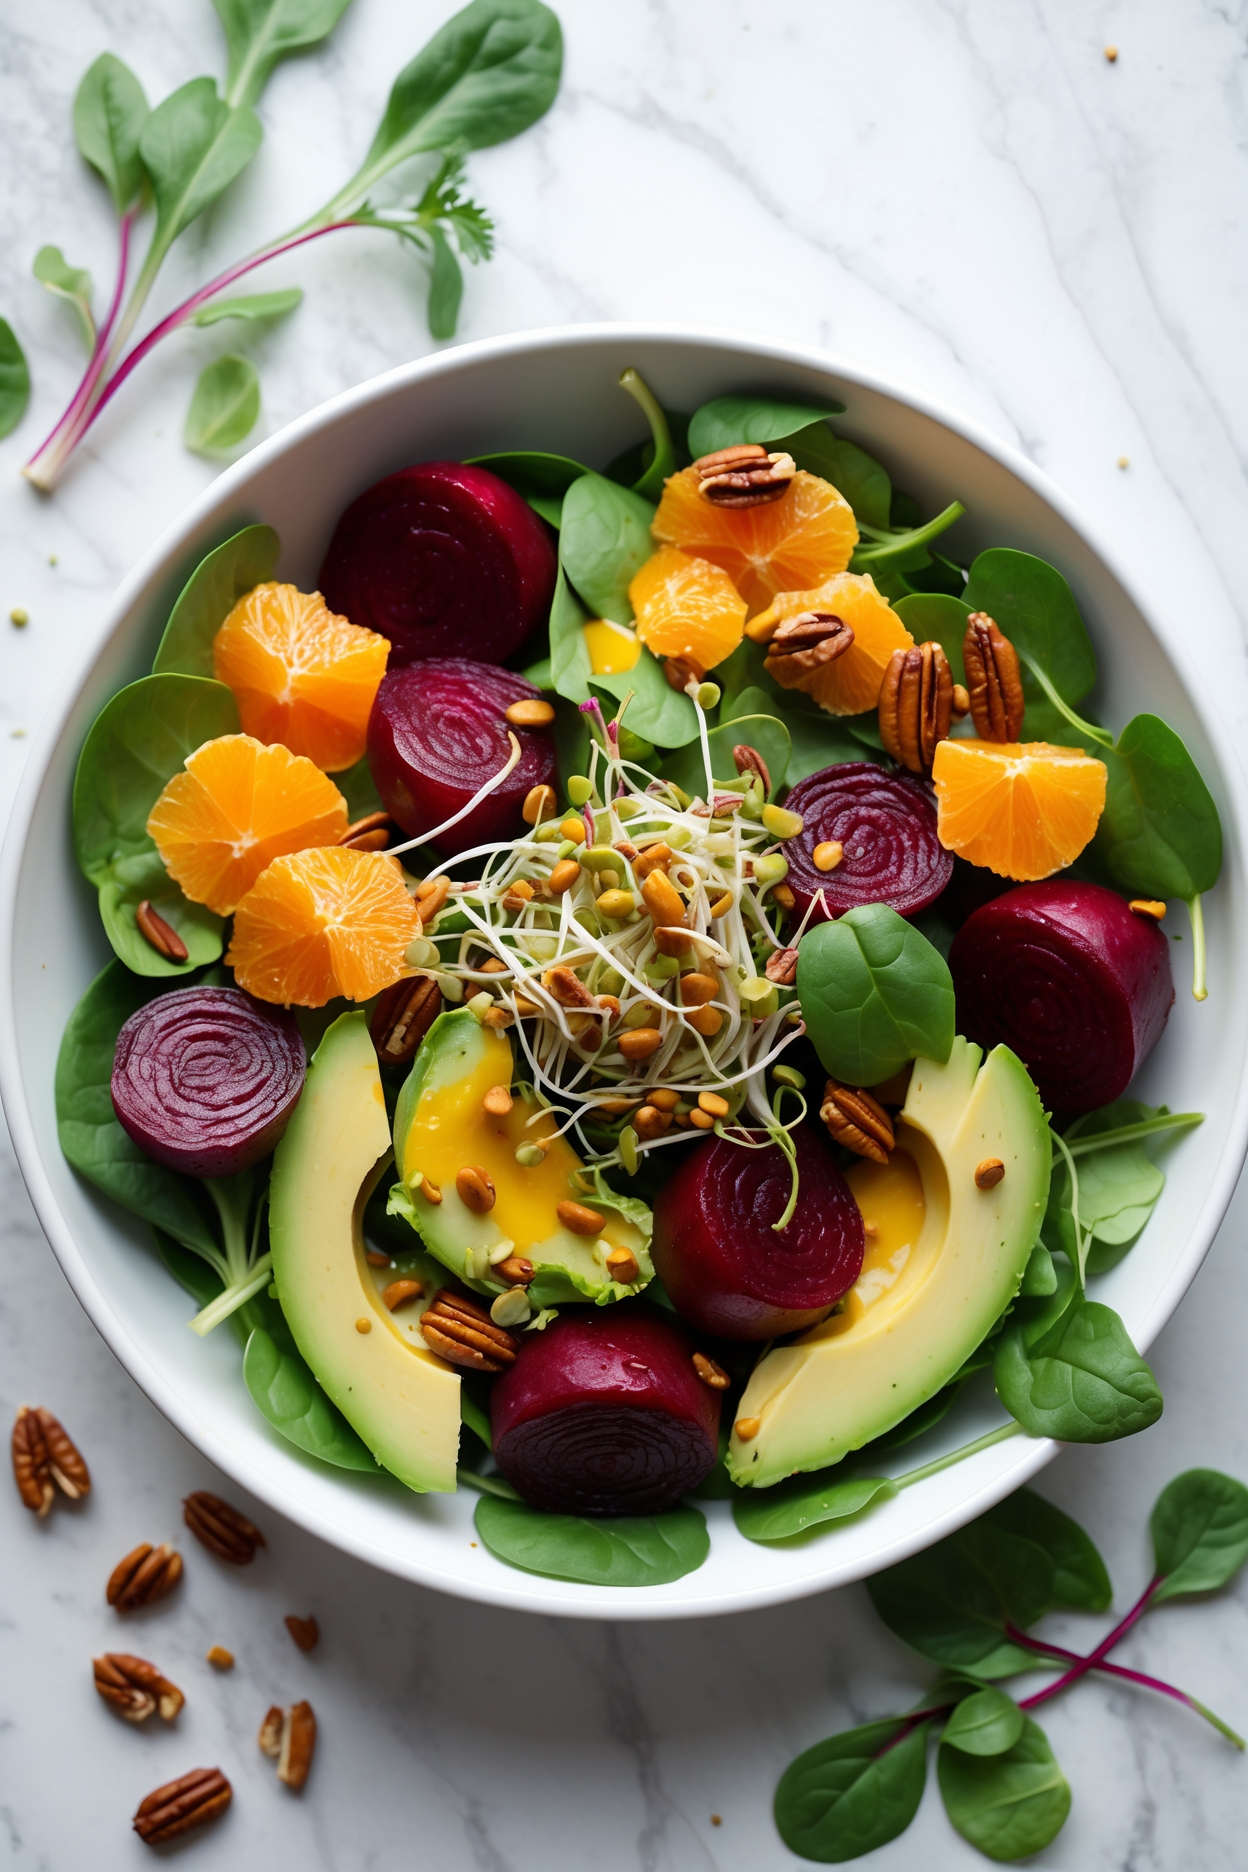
[
  {"x": 300, "y": 674},
  {"x": 851, "y": 683},
  {"x": 611, "y": 651},
  {"x": 687, "y": 607},
  {"x": 1024, "y": 811},
  {"x": 799, "y": 540},
  {"x": 323, "y": 923},
  {"x": 236, "y": 807}
]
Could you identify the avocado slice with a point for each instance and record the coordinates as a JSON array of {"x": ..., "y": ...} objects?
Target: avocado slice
[
  {"x": 401, "y": 1398},
  {"x": 906, "y": 1328},
  {"x": 441, "y": 1126}
]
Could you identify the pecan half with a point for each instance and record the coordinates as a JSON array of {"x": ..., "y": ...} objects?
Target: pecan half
[
  {"x": 744, "y": 476},
  {"x": 270, "y": 1736},
  {"x": 305, "y": 1631},
  {"x": 135, "y": 1688},
  {"x": 44, "y": 1455},
  {"x": 159, "y": 935},
  {"x": 748, "y": 760},
  {"x": 403, "y": 1016},
  {"x": 191, "y": 1801},
  {"x": 994, "y": 683},
  {"x": 857, "y": 1121},
  {"x": 289, "y": 1738},
  {"x": 371, "y": 833},
  {"x": 805, "y": 643},
  {"x": 680, "y": 671},
  {"x": 145, "y": 1575},
  {"x": 222, "y": 1529},
  {"x": 463, "y": 1333},
  {"x": 782, "y": 967},
  {"x": 916, "y": 705}
]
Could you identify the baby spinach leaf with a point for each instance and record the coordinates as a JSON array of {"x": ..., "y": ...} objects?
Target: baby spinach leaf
[
  {"x": 1159, "y": 835},
  {"x": 1080, "y": 1580},
  {"x": 446, "y": 286},
  {"x": 249, "y": 306},
  {"x": 853, "y": 473},
  {"x": 603, "y": 543},
  {"x": 1039, "y": 1275},
  {"x": 854, "y": 1792},
  {"x": 193, "y": 145},
  {"x": 215, "y": 586},
  {"x": 1036, "y": 609},
  {"x": 224, "y": 407},
  {"x": 874, "y": 994},
  {"x": 132, "y": 880},
  {"x": 952, "y": 1603},
  {"x": 1008, "y": 1805},
  {"x": 895, "y": 552},
  {"x": 283, "y": 1387},
  {"x": 542, "y": 479},
  {"x": 643, "y": 1550},
  {"x": 790, "y": 1508},
  {"x": 72, "y": 284},
  {"x": 656, "y": 711},
  {"x": 726, "y": 421},
  {"x": 259, "y": 33},
  {"x": 569, "y": 653},
  {"x": 1200, "y": 1533},
  {"x": 988, "y": 1722},
  {"x": 1082, "y": 1382},
  {"x": 14, "y": 379},
  {"x": 1118, "y": 1185},
  {"x": 763, "y": 732},
  {"x": 936, "y": 617},
  {"x": 110, "y": 111}
]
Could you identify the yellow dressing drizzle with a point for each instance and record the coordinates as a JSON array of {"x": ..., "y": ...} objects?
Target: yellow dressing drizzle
[{"x": 890, "y": 1197}]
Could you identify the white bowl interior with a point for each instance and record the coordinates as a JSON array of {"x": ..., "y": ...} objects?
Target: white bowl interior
[{"x": 557, "y": 390}]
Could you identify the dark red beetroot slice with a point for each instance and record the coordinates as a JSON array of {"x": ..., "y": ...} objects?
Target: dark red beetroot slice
[
  {"x": 442, "y": 558},
  {"x": 1072, "y": 980},
  {"x": 205, "y": 1079},
  {"x": 886, "y": 826},
  {"x": 437, "y": 732},
  {"x": 603, "y": 1414},
  {"x": 726, "y": 1270}
]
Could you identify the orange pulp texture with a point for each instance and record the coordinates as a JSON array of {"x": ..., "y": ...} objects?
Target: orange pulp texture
[
  {"x": 1023, "y": 810},
  {"x": 799, "y": 540},
  {"x": 687, "y": 607},
  {"x": 300, "y": 674},
  {"x": 237, "y": 807},
  {"x": 851, "y": 683},
  {"x": 323, "y": 923}
]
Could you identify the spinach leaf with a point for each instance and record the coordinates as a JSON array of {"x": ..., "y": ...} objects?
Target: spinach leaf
[
  {"x": 14, "y": 379},
  {"x": 874, "y": 994},
  {"x": 790, "y": 1508},
  {"x": 224, "y": 407},
  {"x": 1159, "y": 835},
  {"x": 1080, "y": 1580},
  {"x": 1036, "y": 609},
  {"x": 656, "y": 711},
  {"x": 215, "y": 586},
  {"x": 603, "y": 543},
  {"x": 1118, "y": 1184},
  {"x": 1082, "y": 1382},
  {"x": 923, "y": 1418},
  {"x": 988, "y": 1722},
  {"x": 193, "y": 146},
  {"x": 130, "y": 881},
  {"x": 661, "y": 460},
  {"x": 854, "y": 1792},
  {"x": 542, "y": 479},
  {"x": 896, "y": 552},
  {"x": 1200, "y": 1533},
  {"x": 762, "y": 732},
  {"x": 935, "y": 617},
  {"x": 283, "y": 1387},
  {"x": 261, "y": 32},
  {"x": 952, "y": 1603},
  {"x": 446, "y": 286},
  {"x": 1039, "y": 1275},
  {"x": 250, "y": 306},
  {"x": 816, "y": 739},
  {"x": 569, "y": 653},
  {"x": 643, "y": 1550},
  {"x": 110, "y": 111},
  {"x": 1008, "y": 1805},
  {"x": 72, "y": 284},
  {"x": 728, "y": 420},
  {"x": 853, "y": 473}
]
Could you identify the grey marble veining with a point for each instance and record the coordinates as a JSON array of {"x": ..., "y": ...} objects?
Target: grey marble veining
[{"x": 965, "y": 194}]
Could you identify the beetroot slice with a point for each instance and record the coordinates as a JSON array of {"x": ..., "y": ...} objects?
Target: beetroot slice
[
  {"x": 441, "y": 558},
  {"x": 886, "y": 826},
  {"x": 205, "y": 1079},
  {"x": 603, "y": 1414},
  {"x": 726, "y": 1270},
  {"x": 1069, "y": 978},
  {"x": 437, "y": 732}
]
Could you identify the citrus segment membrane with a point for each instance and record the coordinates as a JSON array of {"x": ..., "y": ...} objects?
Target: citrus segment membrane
[
  {"x": 687, "y": 607},
  {"x": 797, "y": 541},
  {"x": 850, "y": 684},
  {"x": 1022, "y": 809},
  {"x": 323, "y": 923}
]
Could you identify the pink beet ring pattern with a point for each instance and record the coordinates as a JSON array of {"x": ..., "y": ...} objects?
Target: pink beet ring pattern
[{"x": 885, "y": 825}]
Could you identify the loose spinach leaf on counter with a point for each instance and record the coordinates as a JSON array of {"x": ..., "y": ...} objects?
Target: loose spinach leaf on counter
[
  {"x": 14, "y": 379},
  {"x": 250, "y": 306},
  {"x": 110, "y": 111},
  {"x": 1081, "y": 1382},
  {"x": 854, "y": 1792},
  {"x": 1080, "y": 1580},
  {"x": 193, "y": 146},
  {"x": 604, "y": 541},
  {"x": 259, "y": 33},
  {"x": 446, "y": 279},
  {"x": 727, "y": 421},
  {"x": 1036, "y": 610},
  {"x": 1008, "y": 1805},
  {"x": 643, "y": 1550},
  {"x": 225, "y": 575},
  {"x": 762, "y": 732},
  {"x": 791, "y": 1507},
  {"x": 224, "y": 408},
  {"x": 952, "y": 1604},
  {"x": 71, "y": 284},
  {"x": 874, "y": 994},
  {"x": 1200, "y": 1533},
  {"x": 542, "y": 479},
  {"x": 988, "y": 1722}
]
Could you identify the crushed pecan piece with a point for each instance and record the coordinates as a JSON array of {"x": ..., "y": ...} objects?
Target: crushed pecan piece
[
  {"x": 305, "y": 1631},
  {"x": 744, "y": 476},
  {"x": 463, "y": 1333},
  {"x": 805, "y": 643},
  {"x": 403, "y": 1016},
  {"x": 857, "y": 1121},
  {"x": 222, "y": 1529},
  {"x": 710, "y": 1372},
  {"x": 270, "y": 1736},
  {"x": 916, "y": 705},
  {"x": 371, "y": 833},
  {"x": 44, "y": 1456},
  {"x": 994, "y": 683},
  {"x": 782, "y": 967},
  {"x": 568, "y": 988},
  {"x": 159, "y": 935},
  {"x": 146, "y": 1574},
  {"x": 298, "y": 1742},
  {"x": 135, "y": 1688},
  {"x": 191, "y": 1801},
  {"x": 431, "y": 896},
  {"x": 748, "y": 760}
]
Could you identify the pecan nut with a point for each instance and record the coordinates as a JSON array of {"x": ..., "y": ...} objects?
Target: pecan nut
[
  {"x": 568, "y": 989},
  {"x": 371, "y": 833},
  {"x": 145, "y": 1575},
  {"x": 916, "y": 705},
  {"x": 159, "y": 935},
  {"x": 748, "y": 761},
  {"x": 305, "y": 1631},
  {"x": 680, "y": 671},
  {"x": 744, "y": 476},
  {"x": 191, "y": 1801},
  {"x": 222, "y": 1529},
  {"x": 45, "y": 1459},
  {"x": 857, "y": 1121},
  {"x": 710, "y": 1372},
  {"x": 782, "y": 968},
  {"x": 403, "y": 1016},
  {"x": 994, "y": 683},
  {"x": 135, "y": 1688},
  {"x": 288, "y": 1736},
  {"x": 804, "y": 643},
  {"x": 463, "y": 1333}
]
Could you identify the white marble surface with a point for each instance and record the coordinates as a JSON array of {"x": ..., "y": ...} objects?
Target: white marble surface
[{"x": 963, "y": 193}]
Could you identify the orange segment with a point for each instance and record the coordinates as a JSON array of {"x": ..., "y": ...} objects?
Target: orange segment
[
  {"x": 237, "y": 807},
  {"x": 801, "y": 539},
  {"x": 851, "y": 683},
  {"x": 687, "y": 607},
  {"x": 612, "y": 649},
  {"x": 1023, "y": 810},
  {"x": 323, "y": 923},
  {"x": 300, "y": 675}
]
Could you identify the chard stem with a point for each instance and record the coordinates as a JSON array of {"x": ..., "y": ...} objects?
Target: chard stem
[{"x": 235, "y": 1296}]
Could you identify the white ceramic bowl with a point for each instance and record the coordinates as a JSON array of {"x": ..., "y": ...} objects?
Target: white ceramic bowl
[{"x": 557, "y": 390}]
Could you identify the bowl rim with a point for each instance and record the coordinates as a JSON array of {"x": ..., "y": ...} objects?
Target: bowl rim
[{"x": 617, "y": 1603}]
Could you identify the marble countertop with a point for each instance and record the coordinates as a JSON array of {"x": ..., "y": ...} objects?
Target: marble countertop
[{"x": 964, "y": 194}]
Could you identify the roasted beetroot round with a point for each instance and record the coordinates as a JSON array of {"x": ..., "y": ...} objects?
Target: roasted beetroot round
[
  {"x": 441, "y": 558},
  {"x": 604, "y": 1414},
  {"x": 1071, "y": 979},
  {"x": 726, "y": 1270},
  {"x": 437, "y": 732},
  {"x": 885, "y": 825},
  {"x": 205, "y": 1079}
]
